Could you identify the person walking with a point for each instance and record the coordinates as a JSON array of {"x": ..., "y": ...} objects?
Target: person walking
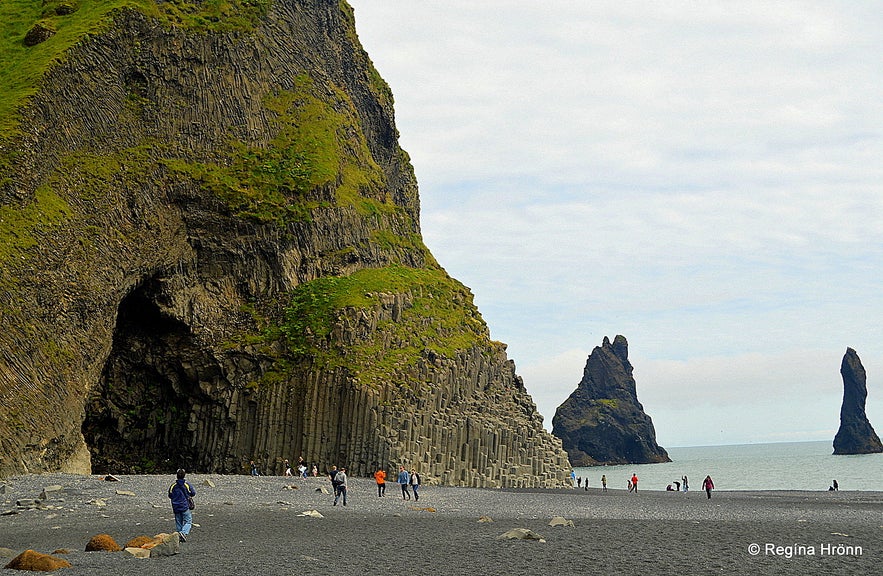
[
  {"x": 380, "y": 478},
  {"x": 686, "y": 484},
  {"x": 708, "y": 486},
  {"x": 331, "y": 476},
  {"x": 181, "y": 494},
  {"x": 603, "y": 482},
  {"x": 415, "y": 483},
  {"x": 836, "y": 485},
  {"x": 635, "y": 483},
  {"x": 340, "y": 478},
  {"x": 254, "y": 469},
  {"x": 287, "y": 467},
  {"x": 404, "y": 479}
]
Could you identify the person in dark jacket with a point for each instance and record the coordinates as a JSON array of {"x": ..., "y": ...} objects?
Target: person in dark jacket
[{"x": 180, "y": 493}]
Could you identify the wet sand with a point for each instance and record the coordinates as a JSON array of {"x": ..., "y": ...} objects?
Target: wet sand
[{"x": 251, "y": 525}]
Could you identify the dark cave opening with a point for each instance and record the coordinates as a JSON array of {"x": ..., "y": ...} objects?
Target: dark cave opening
[{"x": 136, "y": 416}]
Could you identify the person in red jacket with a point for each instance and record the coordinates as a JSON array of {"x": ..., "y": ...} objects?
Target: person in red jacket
[
  {"x": 635, "y": 483},
  {"x": 708, "y": 486}
]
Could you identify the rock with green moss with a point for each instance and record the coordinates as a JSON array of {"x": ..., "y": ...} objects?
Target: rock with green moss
[
  {"x": 602, "y": 422},
  {"x": 210, "y": 253}
]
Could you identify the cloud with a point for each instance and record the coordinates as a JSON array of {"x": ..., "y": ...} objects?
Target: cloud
[{"x": 701, "y": 178}]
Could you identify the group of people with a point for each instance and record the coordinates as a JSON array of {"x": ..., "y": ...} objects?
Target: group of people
[
  {"x": 301, "y": 468},
  {"x": 707, "y": 484},
  {"x": 407, "y": 481},
  {"x": 286, "y": 467}
]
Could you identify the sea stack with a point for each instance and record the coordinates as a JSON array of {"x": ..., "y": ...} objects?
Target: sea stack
[
  {"x": 602, "y": 422},
  {"x": 856, "y": 435}
]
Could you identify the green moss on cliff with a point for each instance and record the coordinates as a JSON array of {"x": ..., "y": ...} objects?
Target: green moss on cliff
[
  {"x": 318, "y": 144},
  {"x": 21, "y": 227},
  {"x": 438, "y": 316}
]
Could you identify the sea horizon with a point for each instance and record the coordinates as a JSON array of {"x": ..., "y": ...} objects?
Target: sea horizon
[{"x": 809, "y": 465}]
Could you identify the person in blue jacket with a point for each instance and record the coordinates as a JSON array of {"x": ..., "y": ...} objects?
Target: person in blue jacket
[
  {"x": 180, "y": 493},
  {"x": 404, "y": 479}
]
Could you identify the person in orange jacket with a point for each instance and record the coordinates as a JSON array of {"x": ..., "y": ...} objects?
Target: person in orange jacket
[{"x": 380, "y": 478}]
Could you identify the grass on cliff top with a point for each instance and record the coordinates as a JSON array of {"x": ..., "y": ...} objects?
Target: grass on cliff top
[
  {"x": 22, "y": 67},
  {"x": 441, "y": 318}
]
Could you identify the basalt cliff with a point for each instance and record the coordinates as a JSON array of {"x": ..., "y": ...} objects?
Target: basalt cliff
[
  {"x": 856, "y": 435},
  {"x": 210, "y": 253},
  {"x": 602, "y": 422}
]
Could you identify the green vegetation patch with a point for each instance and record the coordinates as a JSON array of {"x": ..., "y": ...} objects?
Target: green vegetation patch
[
  {"x": 441, "y": 317},
  {"x": 318, "y": 143},
  {"x": 21, "y": 227}
]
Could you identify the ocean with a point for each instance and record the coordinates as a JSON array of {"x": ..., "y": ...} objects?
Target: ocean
[{"x": 778, "y": 466}]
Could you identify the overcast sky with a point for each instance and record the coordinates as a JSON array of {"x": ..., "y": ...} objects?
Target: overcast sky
[{"x": 704, "y": 178}]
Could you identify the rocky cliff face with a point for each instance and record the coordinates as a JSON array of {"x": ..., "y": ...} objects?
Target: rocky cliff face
[
  {"x": 211, "y": 253},
  {"x": 856, "y": 435},
  {"x": 602, "y": 422}
]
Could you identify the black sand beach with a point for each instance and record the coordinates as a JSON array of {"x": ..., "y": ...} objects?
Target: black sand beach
[{"x": 252, "y": 525}]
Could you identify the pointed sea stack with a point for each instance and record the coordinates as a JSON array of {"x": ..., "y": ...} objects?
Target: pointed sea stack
[
  {"x": 856, "y": 435},
  {"x": 602, "y": 422}
]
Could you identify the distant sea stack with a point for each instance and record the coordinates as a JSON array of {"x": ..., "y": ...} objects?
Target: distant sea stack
[
  {"x": 856, "y": 435},
  {"x": 602, "y": 422}
]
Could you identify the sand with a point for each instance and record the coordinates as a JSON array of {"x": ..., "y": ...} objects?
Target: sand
[{"x": 252, "y": 525}]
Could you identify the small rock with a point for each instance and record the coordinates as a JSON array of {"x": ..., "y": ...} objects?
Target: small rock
[
  {"x": 290, "y": 487},
  {"x": 208, "y": 482},
  {"x": 311, "y": 514},
  {"x": 485, "y": 519},
  {"x": 111, "y": 478},
  {"x": 323, "y": 490},
  {"x": 138, "y": 552},
  {"x": 125, "y": 493},
  {"x": 520, "y": 534},
  {"x": 560, "y": 521},
  {"x": 26, "y": 503},
  {"x": 38, "y": 33},
  {"x": 7, "y": 553},
  {"x": 8, "y": 512},
  {"x": 100, "y": 502},
  {"x": 2, "y": 488},
  {"x": 48, "y": 490}
]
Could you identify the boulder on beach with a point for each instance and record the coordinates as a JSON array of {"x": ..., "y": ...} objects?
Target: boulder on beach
[
  {"x": 137, "y": 552},
  {"x": 520, "y": 534},
  {"x": 139, "y": 541},
  {"x": 37, "y": 562},
  {"x": 560, "y": 521},
  {"x": 169, "y": 545},
  {"x": 102, "y": 543}
]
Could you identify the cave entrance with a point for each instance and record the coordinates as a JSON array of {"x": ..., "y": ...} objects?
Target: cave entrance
[{"x": 136, "y": 417}]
